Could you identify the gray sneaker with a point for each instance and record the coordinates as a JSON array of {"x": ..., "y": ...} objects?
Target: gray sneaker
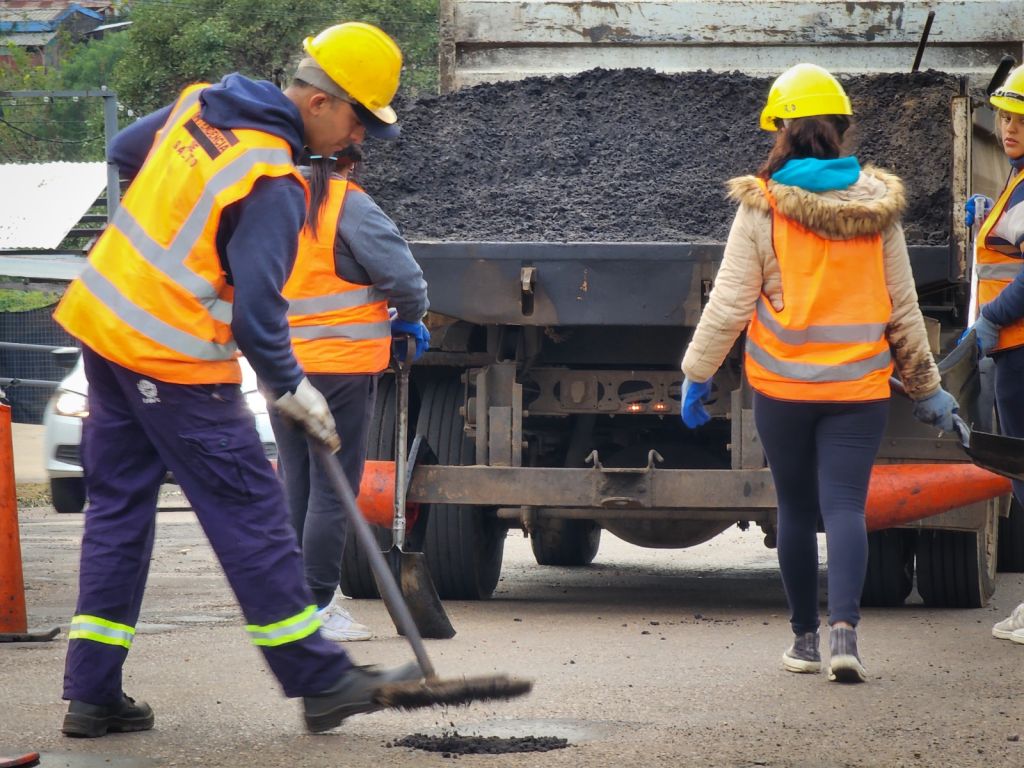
[
  {"x": 353, "y": 694},
  {"x": 845, "y": 665},
  {"x": 803, "y": 655}
]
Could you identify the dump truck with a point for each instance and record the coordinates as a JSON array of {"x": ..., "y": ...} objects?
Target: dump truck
[{"x": 549, "y": 400}]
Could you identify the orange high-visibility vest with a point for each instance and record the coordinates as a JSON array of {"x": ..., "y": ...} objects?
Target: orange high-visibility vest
[
  {"x": 996, "y": 269},
  {"x": 154, "y": 297},
  {"x": 336, "y": 326},
  {"x": 828, "y": 342}
]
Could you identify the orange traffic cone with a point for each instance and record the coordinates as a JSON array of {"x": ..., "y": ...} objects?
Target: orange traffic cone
[
  {"x": 903, "y": 493},
  {"x": 377, "y": 495},
  {"x": 13, "y": 621}
]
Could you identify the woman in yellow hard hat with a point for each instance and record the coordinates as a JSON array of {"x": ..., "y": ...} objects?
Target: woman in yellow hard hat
[
  {"x": 816, "y": 271},
  {"x": 1000, "y": 323}
]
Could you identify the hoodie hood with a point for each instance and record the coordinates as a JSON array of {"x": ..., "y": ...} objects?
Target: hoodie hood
[
  {"x": 238, "y": 102},
  {"x": 869, "y": 206},
  {"x": 817, "y": 175}
]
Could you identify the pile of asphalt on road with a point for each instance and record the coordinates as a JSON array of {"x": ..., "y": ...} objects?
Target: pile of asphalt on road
[
  {"x": 453, "y": 744},
  {"x": 633, "y": 155}
]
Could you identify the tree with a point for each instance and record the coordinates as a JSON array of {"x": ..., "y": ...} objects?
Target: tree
[{"x": 171, "y": 44}]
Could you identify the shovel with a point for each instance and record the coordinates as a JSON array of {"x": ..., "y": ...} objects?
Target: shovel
[
  {"x": 410, "y": 568},
  {"x": 996, "y": 453}
]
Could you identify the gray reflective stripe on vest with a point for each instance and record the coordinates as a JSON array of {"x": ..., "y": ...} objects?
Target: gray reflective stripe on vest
[
  {"x": 150, "y": 326},
  {"x": 1002, "y": 271},
  {"x": 334, "y": 301},
  {"x": 171, "y": 260},
  {"x": 351, "y": 331},
  {"x": 819, "y": 374},
  {"x": 862, "y": 333}
]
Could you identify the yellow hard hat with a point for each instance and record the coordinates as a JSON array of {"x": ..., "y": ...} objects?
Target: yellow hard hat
[
  {"x": 804, "y": 90},
  {"x": 363, "y": 61},
  {"x": 1010, "y": 95}
]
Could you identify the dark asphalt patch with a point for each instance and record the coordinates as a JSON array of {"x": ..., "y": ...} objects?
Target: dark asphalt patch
[
  {"x": 456, "y": 744},
  {"x": 633, "y": 155}
]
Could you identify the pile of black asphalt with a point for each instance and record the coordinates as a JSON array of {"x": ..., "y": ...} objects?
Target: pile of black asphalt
[{"x": 633, "y": 155}]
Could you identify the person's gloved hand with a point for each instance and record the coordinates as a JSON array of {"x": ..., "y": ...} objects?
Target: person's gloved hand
[
  {"x": 308, "y": 408},
  {"x": 937, "y": 410},
  {"x": 694, "y": 393},
  {"x": 987, "y": 333},
  {"x": 971, "y": 208},
  {"x": 401, "y": 328}
]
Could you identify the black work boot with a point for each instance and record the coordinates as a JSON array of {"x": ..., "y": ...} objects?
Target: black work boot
[
  {"x": 353, "y": 694},
  {"x": 88, "y": 721}
]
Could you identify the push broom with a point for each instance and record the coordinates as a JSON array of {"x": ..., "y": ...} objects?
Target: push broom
[{"x": 432, "y": 690}]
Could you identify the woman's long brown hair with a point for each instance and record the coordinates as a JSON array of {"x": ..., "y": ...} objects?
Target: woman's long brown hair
[
  {"x": 821, "y": 137},
  {"x": 320, "y": 171}
]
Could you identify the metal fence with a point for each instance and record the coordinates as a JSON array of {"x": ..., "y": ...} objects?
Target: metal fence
[{"x": 29, "y": 373}]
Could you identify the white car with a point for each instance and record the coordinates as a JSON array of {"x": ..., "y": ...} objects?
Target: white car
[{"x": 62, "y": 431}]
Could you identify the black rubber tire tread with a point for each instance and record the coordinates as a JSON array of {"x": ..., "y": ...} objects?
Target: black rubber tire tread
[
  {"x": 356, "y": 576},
  {"x": 949, "y": 574},
  {"x": 890, "y": 575},
  {"x": 67, "y": 494},
  {"x": 567, "y": 543},
  {"x": 1011, "y": 540},
  {"x": 463, "y": 544}
]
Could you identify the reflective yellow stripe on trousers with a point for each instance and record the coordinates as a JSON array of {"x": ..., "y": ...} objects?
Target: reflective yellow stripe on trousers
[
  {"x": 288, "y": 631},
  {"x": 84, "y": 627}
]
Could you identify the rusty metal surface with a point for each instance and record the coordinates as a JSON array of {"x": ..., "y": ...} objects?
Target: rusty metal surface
[{"x": 618, "y": 489}]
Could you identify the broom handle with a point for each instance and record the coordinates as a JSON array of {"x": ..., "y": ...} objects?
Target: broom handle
[{"x": 390, "y": 592}]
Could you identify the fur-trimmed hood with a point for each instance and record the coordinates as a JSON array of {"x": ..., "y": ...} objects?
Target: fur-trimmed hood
[{"x": 869, "y": 206}]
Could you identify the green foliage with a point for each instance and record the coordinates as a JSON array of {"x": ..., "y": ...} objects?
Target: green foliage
[
  {"x": 172, "y": 44},
  {"x": 22, "y": 301}
]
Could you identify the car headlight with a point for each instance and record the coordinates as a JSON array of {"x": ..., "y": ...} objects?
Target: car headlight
[
  {"x": 256, "y": 402},
  {"x": 71, "y": 404}
]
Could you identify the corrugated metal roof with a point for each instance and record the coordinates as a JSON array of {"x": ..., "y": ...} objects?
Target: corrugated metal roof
[
  {"x": 27, "y": 39},
  {"x": 29, "y": 14},
  {"x": 43, "y": 201}
]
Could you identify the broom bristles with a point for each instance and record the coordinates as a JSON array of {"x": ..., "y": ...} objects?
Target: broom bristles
[{"x": 438, "y": 692}]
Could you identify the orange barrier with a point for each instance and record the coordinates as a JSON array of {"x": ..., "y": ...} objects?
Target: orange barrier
[
  {"x": 377, "y": 495},
  {"x": 902, "y": 493},
  {"x": 12, "y": 586}
]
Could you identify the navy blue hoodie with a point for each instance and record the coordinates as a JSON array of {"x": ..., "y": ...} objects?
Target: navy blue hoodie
[{"x": 258, "y": 236}]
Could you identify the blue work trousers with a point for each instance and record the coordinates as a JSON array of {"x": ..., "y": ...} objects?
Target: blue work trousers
[
  {"x": 316, "y": 510},
  {"x": 820, "y": 456},
  {"x": 1010, "y": 399},
  {"x": 137, "y": 429}
]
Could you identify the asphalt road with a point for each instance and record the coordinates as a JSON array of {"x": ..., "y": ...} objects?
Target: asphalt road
[{"x": 647, "y": 658}]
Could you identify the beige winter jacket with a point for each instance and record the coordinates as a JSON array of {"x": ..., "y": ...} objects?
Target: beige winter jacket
[{"x": 872, "y": 205}]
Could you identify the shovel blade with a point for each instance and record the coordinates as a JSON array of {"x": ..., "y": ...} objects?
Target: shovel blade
[
  {"x": 421, "y": 597},
  {"x": 997, "y": 453}
]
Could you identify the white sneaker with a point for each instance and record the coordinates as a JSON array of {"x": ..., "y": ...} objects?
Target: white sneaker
[
  {"x": 337, "y": 624},
  {"x": 1018, "y": 636},
  {"x": 1007, "y": 627}
]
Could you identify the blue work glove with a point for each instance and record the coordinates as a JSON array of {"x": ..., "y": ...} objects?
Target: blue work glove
[
  {"x": 694, "y": 394},
  {"x": 971, "y": 208},
  {"x": 937, "y": 410},
  {"x": 987, "y": 333},
  {"x": 402, "y": 328}
]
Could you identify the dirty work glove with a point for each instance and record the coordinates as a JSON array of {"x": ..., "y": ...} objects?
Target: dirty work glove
[
  {"x": 402, "y": 328},
  {"x": 976, "y": 204},
  {"x": 987, "y": 333},
  {"x": 308, "y": 408},
  {"x": 937, "y": 410},
  {"x": 694, "y": 394}
]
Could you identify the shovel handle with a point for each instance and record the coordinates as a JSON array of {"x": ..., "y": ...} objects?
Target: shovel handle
[{"x": 389, "y": 589}]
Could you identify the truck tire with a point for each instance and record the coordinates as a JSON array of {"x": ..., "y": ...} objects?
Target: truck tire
[
  {"x": 356, "y": 576},
  {"x": 957, "y": 569},
  {"x": 67, "y": 494},
  {"x": 463, "y": 544},
  {"x": 565, "y": 542},
  {"x": 890, "y": 576},
  {"x": 1011, "y": 540}
]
